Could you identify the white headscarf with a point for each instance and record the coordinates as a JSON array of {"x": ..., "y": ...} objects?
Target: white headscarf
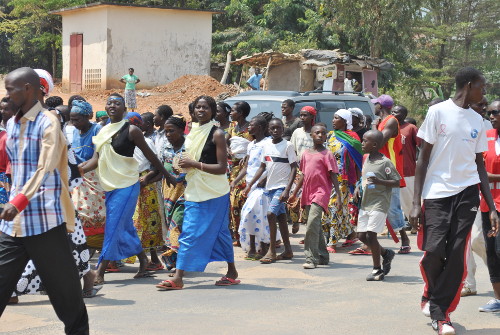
[
  {"x": 46, "y": 82},
  {"x": 347, "y": 116}
]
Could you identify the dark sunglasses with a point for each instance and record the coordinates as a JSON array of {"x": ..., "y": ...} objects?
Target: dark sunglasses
[{"x": 495, "y": 112}]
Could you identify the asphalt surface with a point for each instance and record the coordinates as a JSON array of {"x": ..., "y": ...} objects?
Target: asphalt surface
[{"x": 280, "y": 298}]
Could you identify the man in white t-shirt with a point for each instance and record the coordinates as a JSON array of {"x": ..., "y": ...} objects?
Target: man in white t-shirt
[
  {"x": 449, "y": 169},
  {"x": 280, "y": 162}
]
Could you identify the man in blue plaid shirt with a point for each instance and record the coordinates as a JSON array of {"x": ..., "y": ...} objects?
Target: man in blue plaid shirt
[{"x": 36, "y": 219}]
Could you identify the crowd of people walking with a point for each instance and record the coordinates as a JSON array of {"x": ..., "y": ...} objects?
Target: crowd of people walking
[{"x": 188, "y": 191}]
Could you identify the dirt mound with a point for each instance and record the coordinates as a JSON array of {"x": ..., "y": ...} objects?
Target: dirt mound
[{"x": 177, "y": 94}]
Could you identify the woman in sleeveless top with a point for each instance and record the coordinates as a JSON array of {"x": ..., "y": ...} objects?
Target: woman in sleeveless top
[
  {"x": 205, "y": 235},
  {"x": 119, "y": 177}
]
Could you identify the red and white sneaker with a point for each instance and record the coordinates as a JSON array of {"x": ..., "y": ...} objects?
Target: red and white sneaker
[
  {"x": 425, "y": 307},
  {"x": 443, "y": 327}
]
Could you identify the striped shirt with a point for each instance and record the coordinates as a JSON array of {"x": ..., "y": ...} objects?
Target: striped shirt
[{"x": 38, "y": 153}]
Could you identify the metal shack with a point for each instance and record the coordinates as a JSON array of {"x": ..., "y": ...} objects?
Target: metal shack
[{"x": 316, "y": 69}]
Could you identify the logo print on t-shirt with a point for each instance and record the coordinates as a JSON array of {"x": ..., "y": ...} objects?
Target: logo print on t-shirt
[
  {"x": 442, "y": 129},
  {"x": 388, "y": 170},
  {"x": 474, "y": 133}
]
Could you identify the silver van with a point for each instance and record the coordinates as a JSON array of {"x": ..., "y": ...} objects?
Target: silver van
[{"x": 326, "y": 103}]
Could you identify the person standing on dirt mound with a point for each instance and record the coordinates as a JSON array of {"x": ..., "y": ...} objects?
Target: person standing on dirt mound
[{"x": 130, "y": 80}]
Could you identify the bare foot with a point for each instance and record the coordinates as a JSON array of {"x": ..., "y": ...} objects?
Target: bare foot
[
  {"x": 285, "y": 256},
  {"x": 232, "y": 274},
  {"x": 99, "y": 280},
  {"x": 89, "y": 279},
  {"x": 268, "y": 258},
  {"x": 143, "y": 274}
]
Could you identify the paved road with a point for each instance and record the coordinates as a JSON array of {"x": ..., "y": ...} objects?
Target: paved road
[{"x": 280, "y": 298}]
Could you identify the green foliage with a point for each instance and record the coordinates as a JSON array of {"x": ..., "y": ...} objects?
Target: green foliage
[
  {"x": 33, "y": 35},
  {"x": 427, "y": 40}
]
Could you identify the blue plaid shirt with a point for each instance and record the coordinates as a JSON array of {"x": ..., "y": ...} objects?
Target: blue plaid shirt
[{"x": 38, "y": 153}]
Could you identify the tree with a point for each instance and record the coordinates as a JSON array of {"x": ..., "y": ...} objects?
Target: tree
[
  {"x": 451, "y": 34},
  {"x": 34, "y": 35}
]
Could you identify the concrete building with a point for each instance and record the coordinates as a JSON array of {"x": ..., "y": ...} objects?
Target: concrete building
[
  {"x": 309, "y": 70},
  {"x": 100, "y": 41}
]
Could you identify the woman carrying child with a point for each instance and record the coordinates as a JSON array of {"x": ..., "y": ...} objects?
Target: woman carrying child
[{"x": 346, "y": 147}]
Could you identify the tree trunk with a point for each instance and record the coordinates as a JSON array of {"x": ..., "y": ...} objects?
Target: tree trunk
[
  {"x": 226, "y": 68},
  {"x": 54, "y": 60}
]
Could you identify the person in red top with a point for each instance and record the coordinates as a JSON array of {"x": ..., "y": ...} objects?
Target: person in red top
[
  {"x": 392, "y": 148},
  {"x": 410, "y": 143},
  {"x": 492, "y": 165},
  {"x": 6, "y": 112},
  {"x": 319, "y": 172}
]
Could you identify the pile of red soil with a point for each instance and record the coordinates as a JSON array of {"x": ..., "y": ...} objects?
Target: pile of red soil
[{"x": 177, "y": 94}]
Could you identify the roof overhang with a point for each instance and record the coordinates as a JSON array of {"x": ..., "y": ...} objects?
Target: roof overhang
[
  {"x": 68, "y": 10},
  {"x": 312, "y": 59}
]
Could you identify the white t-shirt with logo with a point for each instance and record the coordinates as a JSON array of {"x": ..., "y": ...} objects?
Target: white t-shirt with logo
[
  {"x": 278, "y": 158},
  {"x": 457, "y": 135}
]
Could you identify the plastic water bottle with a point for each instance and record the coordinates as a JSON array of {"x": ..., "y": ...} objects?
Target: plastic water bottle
[{"x": 368, "y": 184}]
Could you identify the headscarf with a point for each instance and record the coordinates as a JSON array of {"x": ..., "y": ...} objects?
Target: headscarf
[
  {"x": 134, "y": 118},
  {"x": 101, "y": 114},
  {"x": 358, "y": 113},
  {"x": 46, "y": 81},
  {"x": 346, "y": 115},
  {"x": 81, "y": 107},
  {"x": 311, "y": 110}
]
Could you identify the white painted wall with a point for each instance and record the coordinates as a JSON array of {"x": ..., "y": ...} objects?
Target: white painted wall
[
  {"x": 91, "y": 23},
  {"x": 160, "y": 44}
]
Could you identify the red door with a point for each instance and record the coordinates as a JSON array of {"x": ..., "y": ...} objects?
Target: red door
[{"x": 75, "y": 62}]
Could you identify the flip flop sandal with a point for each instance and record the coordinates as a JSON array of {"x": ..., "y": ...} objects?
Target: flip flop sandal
[
  {"x": 111, "y": 268},
  {"x": 360, "y": 251},
  {"x": 267, "y": 260},
  {"x": 331, "y": 250},
  {"x": 404, "y": 249},
  {"x": 250, "y": 257},
  {"x": 163, "y": 286},
  {"x": 90, "y": 293},
  {"x": 154, "y": 267},
  {"x": 226, "y": 281},
  {"x": 348, "y": 243},
  {"x": 257, "y": 257},
  {"x": 301, "y": 242}
]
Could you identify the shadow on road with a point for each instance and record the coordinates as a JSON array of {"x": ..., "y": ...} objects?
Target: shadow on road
[{"x": 485, "y": 331}]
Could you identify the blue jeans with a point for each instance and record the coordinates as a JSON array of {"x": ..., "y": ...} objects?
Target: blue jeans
[
  {"x": 395, "y": 214},
  {"x": 275, "y": 205}
]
